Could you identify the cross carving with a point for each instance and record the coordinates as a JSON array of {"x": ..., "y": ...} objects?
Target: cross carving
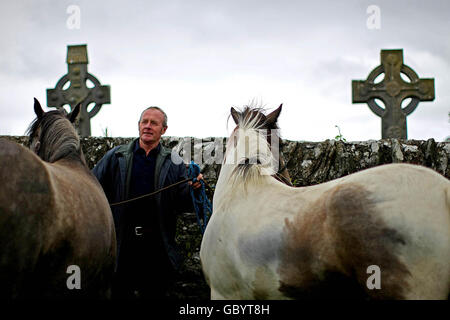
[
  {"x": 392, "y": 91},
  {"x": 78, "y": 91}
]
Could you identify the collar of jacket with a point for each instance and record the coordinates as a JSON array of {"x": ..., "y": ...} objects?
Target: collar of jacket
[
  {"x": 125, "y": 154},
  {"x": 127, "y": 149}
]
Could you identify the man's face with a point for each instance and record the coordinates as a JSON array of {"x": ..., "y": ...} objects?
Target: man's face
[{"x": 151, "y": 126}]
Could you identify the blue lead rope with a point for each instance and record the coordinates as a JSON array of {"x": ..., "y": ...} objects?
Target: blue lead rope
[{"x": 202, "y": 205}]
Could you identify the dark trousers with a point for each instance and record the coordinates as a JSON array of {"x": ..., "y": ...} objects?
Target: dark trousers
[{"x": 144, "y": 270}]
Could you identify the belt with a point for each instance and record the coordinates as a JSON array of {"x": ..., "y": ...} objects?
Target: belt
[{"x": 140, "y": 231}]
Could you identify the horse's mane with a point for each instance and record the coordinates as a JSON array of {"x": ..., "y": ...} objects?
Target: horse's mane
[
  {"x": 253, "y": 129},
  {"x": 57, "y": 136},
  {"x": 253, "y": 117}
]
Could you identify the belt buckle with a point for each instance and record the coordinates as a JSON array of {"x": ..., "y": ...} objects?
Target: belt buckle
[{"x": 138, "y": 231}]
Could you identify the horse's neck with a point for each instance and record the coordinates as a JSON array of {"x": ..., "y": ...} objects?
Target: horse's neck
[
  {"x": 59, "y": 142},
  {"x": 230, "y": 187},
  {"x": 70, "y": 162},
  {"x": 225, "y": 174}
]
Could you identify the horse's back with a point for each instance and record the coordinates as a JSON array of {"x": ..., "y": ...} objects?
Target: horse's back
[
  {"x": 410, "y": 190},
  {"x": 398, "y": 215},
  {"x": 25, "y": 189},
  {"x": 25, "y": 198},
  {"x": 52, "y": 216},
  {"x": 324, "y": 238},
  {"x": 395, "y": 217}
]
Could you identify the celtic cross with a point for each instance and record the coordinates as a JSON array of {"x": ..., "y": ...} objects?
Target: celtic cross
[
  {"x": 78, "y": 91},
  {"x": 392, "y": 90}
]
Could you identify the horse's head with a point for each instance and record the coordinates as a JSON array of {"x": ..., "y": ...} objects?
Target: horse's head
[
  {"x": 51, "y": 135},
  {"x": 254, "y": 118},
  {"x": 253, "y": 147}
]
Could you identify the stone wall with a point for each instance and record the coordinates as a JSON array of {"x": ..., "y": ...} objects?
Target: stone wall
[{"x": 308, "y": 163}]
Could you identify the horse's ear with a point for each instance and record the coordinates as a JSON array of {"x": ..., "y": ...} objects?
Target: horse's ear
[
  {"x": 38, "y": 109},
  {"x": 273, "y": 116},
  {"x": 235, "y": 115},
  {"x": 74, "y": 114}
]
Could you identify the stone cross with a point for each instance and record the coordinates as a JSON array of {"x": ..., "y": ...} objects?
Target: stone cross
[
  {"x": 392, "y": 90},
  {"x": 78, "y": 91}
]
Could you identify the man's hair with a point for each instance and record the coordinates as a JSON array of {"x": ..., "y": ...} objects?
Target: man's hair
[{"x": 160, "y": 110}]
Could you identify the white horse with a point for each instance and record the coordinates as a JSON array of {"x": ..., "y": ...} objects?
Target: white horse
[{"x": 382, "y": 233}]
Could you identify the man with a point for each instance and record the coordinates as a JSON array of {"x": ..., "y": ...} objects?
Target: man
[{"x": 145, "y": 228}]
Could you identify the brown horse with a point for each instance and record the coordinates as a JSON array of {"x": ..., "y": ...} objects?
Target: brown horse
[
  {"x": 56, "y": 229},
  {"x": 382, "y": 233}
]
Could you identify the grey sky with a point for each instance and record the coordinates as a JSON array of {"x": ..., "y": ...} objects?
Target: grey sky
[{"x": 196, "y": 59}]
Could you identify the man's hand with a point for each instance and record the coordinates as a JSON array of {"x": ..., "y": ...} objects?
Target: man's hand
[{"x": 197, "y": 184}]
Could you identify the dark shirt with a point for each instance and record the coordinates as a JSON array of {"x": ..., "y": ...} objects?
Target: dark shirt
[
  {"x": 143, "y": 212},
  {"x": 143, "y": 172}
]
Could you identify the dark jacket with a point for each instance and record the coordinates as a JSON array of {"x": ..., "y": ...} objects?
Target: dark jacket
[{"x": 113, "y": 172}]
